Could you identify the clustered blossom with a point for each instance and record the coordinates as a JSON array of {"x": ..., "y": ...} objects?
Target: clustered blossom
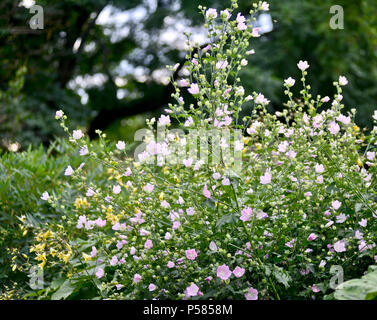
[{"x": 151, "y": 229}]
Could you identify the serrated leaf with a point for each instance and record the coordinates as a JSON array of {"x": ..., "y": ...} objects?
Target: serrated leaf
[{"x": 281, "y": 276}]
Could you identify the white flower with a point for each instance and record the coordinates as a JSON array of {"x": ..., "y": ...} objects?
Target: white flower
[
  {"x": 77, "y": 134},
  {"x": 45, "y": 196},
  {"x": 120, "y": 145}
]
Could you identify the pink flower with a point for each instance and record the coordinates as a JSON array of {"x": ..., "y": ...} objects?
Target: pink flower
[
  {"x": 343, "y": 119},
  {"x": 152, "y": 287},
  {"x": 183, "y": 83},
  {"x": 90, "y": 192},
  {"x": 363, "y": 222},
  {"x": 213, "y": 246},
  {"x": 225, "y": 181},
  {"x": 319, "y": 168},
  {"x": 187, "y": 162},
  {"x": 265, "y": 6},
  {"x": 312, "y": 237},
  {"x": 238, "y": 272},
  {"x": 100, "y": 273},
  {"x": 191, "y": 254},
  {"x": 206, "y": 192},
  {"x": 225, "y": 14},
  {"x": 242, "y": 26},
  {"x": 171, "y": 264},
  {"x": 325, "y": 99},
  {"x": 289, "y": 244},
  {"x": 192, "y": 290},
  {"x": 340, "y": 246},
  {"x": 194, "y": 88},
  {"x": 120, "y": 145},
  {"x": 260, "y": 99},
  {"x": 58, "y": 114},
  {"x": 164, "y": 120},
  {"x": 165, "y": 204},
  {"x": 211, "y": 13},
  {"x": 315, "y": 289},
  {"x": 189, "y": 122},
  {"x": 148, "y": 244},
  {"x": 223, "y": 272},
  {"x": 303, "y": 65},
  {"x": 255, "y": 32},
  {"x": 252, "y": 294},
  {"x": 148, "y": 187},
  {"x": 221, "y": 65},
  {"x": 77, "y": 134},
  {"x": 334, "y": 127},
  {"x": 246, "y": 214},
  {"x": 266, "y": 178},
  {"x": 116, "y": 189},
  {"x": 240, "y": 18},
  {"x": 371, "y": 155},
  {"x": 84, "y": 150},
  {"x": 68, "y": 171},
  {"x": 176, "y": 225},
  {"x": 113, "y": 261},
  {"x": 45, "y": 196},
  {"x": 343, "y": 81},
  {"x": 137, "y": 278},
  {"x": 336, "y": 204},
  {"x": 190, "y": 211},
  {"x": 290, "y": 82},
  {"x": 93, "y": 253}
]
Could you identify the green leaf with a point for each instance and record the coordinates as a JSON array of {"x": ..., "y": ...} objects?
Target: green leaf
[
  {"x": 281, "y": 276},
  {"x": 359, "y": 289},
  {"x": 64, "y": 291},
  {"x": 228, "y": 218}
]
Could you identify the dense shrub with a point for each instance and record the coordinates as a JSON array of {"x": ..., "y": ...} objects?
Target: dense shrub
[{"x": 263, "y": 214}]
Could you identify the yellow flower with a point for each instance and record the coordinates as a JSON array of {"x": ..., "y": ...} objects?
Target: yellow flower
[
  {"x": 161, "y": 196},
  {"x": 258, "y": 146},
  {"x": 86, "y": 257}
]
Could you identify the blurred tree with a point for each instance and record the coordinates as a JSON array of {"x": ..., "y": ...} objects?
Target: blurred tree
[{"x": 103, "y": 60}]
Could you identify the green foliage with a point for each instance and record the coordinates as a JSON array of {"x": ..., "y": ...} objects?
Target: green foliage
[{"x": 364, "y": 288}]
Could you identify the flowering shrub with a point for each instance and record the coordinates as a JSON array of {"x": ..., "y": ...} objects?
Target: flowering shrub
[{"x": 273, "y": 201}]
